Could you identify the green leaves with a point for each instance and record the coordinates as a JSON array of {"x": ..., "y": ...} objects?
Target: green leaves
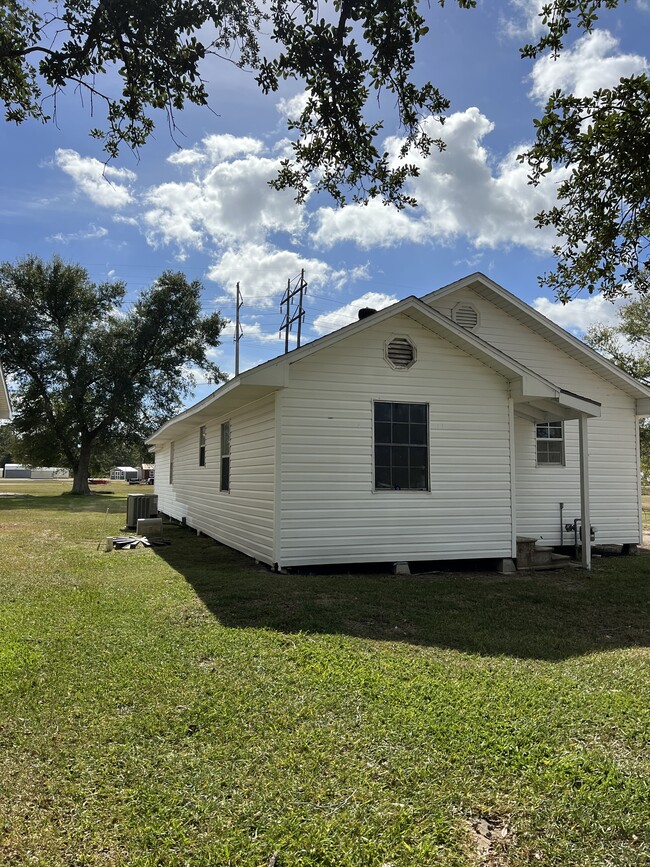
[
  {"x": 85, "y": 373},
  {"x": 603, "y": 215},
  {"x": 155, "y": 47},
  {"x": 341, "y": 52},
  {"x": 336, "y": 149}
]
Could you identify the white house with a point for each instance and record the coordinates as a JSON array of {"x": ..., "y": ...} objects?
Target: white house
[{"x": 436, "y": 429}]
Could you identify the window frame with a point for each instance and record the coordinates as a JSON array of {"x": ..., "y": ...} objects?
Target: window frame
[
  {"x": 539, "y": 440},
  {"x": 414, "y": 437},
  {"x": 224, "y": 458},
  {"x": 171, "y": 462},
  {"x": 202, "y": 442}
]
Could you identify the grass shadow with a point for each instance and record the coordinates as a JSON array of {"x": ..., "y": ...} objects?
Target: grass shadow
[
  {"x": 546, "y": 616},
  {"x": 65, "y": 502}
]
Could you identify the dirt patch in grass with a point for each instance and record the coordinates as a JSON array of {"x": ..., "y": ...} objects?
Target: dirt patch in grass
[{"x": 489, "y": 836}]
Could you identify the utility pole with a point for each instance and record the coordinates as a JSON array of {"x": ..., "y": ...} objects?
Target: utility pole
[
  {"x": 286, "y": 324},
  {"x": 238, "y": 329},
  {"x": 298, "y": 314}
]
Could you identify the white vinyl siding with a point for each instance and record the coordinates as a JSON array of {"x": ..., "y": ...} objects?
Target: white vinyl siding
[
  {"x": 330, "y": 512},
  {"x": 243, "y": 516},
  {"x": 613, "y": 468}
]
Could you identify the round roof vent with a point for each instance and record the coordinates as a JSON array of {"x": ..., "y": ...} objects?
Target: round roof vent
[
  {"x": 465, "y": 315},
  {"x": 400, "y": 353}
]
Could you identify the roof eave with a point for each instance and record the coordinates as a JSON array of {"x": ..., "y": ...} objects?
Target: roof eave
[{"x": 631, "y": 386}]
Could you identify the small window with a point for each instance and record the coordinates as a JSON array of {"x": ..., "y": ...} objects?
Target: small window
[
  {"x": 400, "y": 353},
  {"x": 225, "y": 457},
  {"x": 401, "y": 446},
  {"x": 171, "y": 463},
  {"x": 202, "y": 446},
  {"x": 550, "y": 443}
]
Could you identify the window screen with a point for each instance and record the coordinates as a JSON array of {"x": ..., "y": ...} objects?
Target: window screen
[
  {"x": 550, "y": 443},
  {"x": 401, "y": 446}
]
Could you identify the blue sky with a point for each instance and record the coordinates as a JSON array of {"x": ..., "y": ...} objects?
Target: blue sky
[{"x": 206, "y": 208}]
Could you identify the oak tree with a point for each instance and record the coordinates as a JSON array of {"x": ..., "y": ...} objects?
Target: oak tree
[
  {"x": 87, "y": 374},
  {"x": 134, "y": 57},
  {"x": 627, "y": 345}
]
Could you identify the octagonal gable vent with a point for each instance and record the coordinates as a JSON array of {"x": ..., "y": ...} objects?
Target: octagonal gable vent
[
  {"x": 400, "y": 353},
  {"x": 465, "y": 315}
]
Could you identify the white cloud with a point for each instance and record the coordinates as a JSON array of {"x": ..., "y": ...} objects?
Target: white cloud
[
  {"x": 327, "y": 322},
  {"x": 294, "y": 106},
  {"x": 227, "y": 203},
  {"x": 524, "y": 20},
  {"x": 371, "y": 225},
  {"x": 93, "y": 232},
  {"x": 254, "y": 331},
  {"x": 98, "y": 181},
  {"x": 172, "y": 215},
  {"x": 592, "y": 63},
  {"x": 263, "y": 270},
  {"x": 186, "y": 157},
  {"x": 227, "y": 146},
  {"x": 579, "y": 314},
  {"x": 460, "y": 193},
  {"x": 214, "y": 149}
]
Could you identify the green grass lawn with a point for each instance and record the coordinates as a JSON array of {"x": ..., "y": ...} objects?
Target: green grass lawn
[{"x": 181, "y": 706}]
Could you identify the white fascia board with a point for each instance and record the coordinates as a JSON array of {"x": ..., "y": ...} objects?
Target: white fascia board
[
  {"x": 274, "y": 374},
  {"x": 582, "y": 405},
  {"x": 529, "y": 387},
  {"x": 627, "y": 383},
  {"x": 269, "y": 375},
  {"x": 528, "y": 381},
  {"x": 232, "y": 396}
]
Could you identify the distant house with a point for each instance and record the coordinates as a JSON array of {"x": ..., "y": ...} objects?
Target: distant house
[
  {"x": 17, "y": 471},
  {"x": 5, "y": 405},
  {"x": 50, "y": 473},
  {"x": 148, "y": 471},
  {"x": 124, "y": 474},
  {"x": 440, "y": 428}
]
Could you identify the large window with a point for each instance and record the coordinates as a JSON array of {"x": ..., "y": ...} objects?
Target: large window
[
  {"x": 401, "y": 446},
  {"x": 202, "y": 446},
  {"x": 225, "y": 457},
  {"x": 550, "y": 443}
]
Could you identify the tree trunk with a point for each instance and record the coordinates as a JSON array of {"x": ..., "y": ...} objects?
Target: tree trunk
[{"x": 80, "y": 482}]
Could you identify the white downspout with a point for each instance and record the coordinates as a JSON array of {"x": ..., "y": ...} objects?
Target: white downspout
[
  {"x": 513, "y": 478},
  {"x": 585, "y": 514}
]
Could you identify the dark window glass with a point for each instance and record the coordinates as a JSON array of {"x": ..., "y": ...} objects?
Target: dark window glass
[
  {"x": 225, "y": 457},
  {"x": 400, "y": 433},
  {"x": 382, "y": 432},
  {"x": 400, "y": 412},
  {"x": 418, "y": 413},
  {"x": 202, "y": 446},
  {"x": 419, "y": 434},
  {"x": 382, "y": 411},
  {"x": 401, "y": 446},
  {"x": 382, "y": 477}
]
